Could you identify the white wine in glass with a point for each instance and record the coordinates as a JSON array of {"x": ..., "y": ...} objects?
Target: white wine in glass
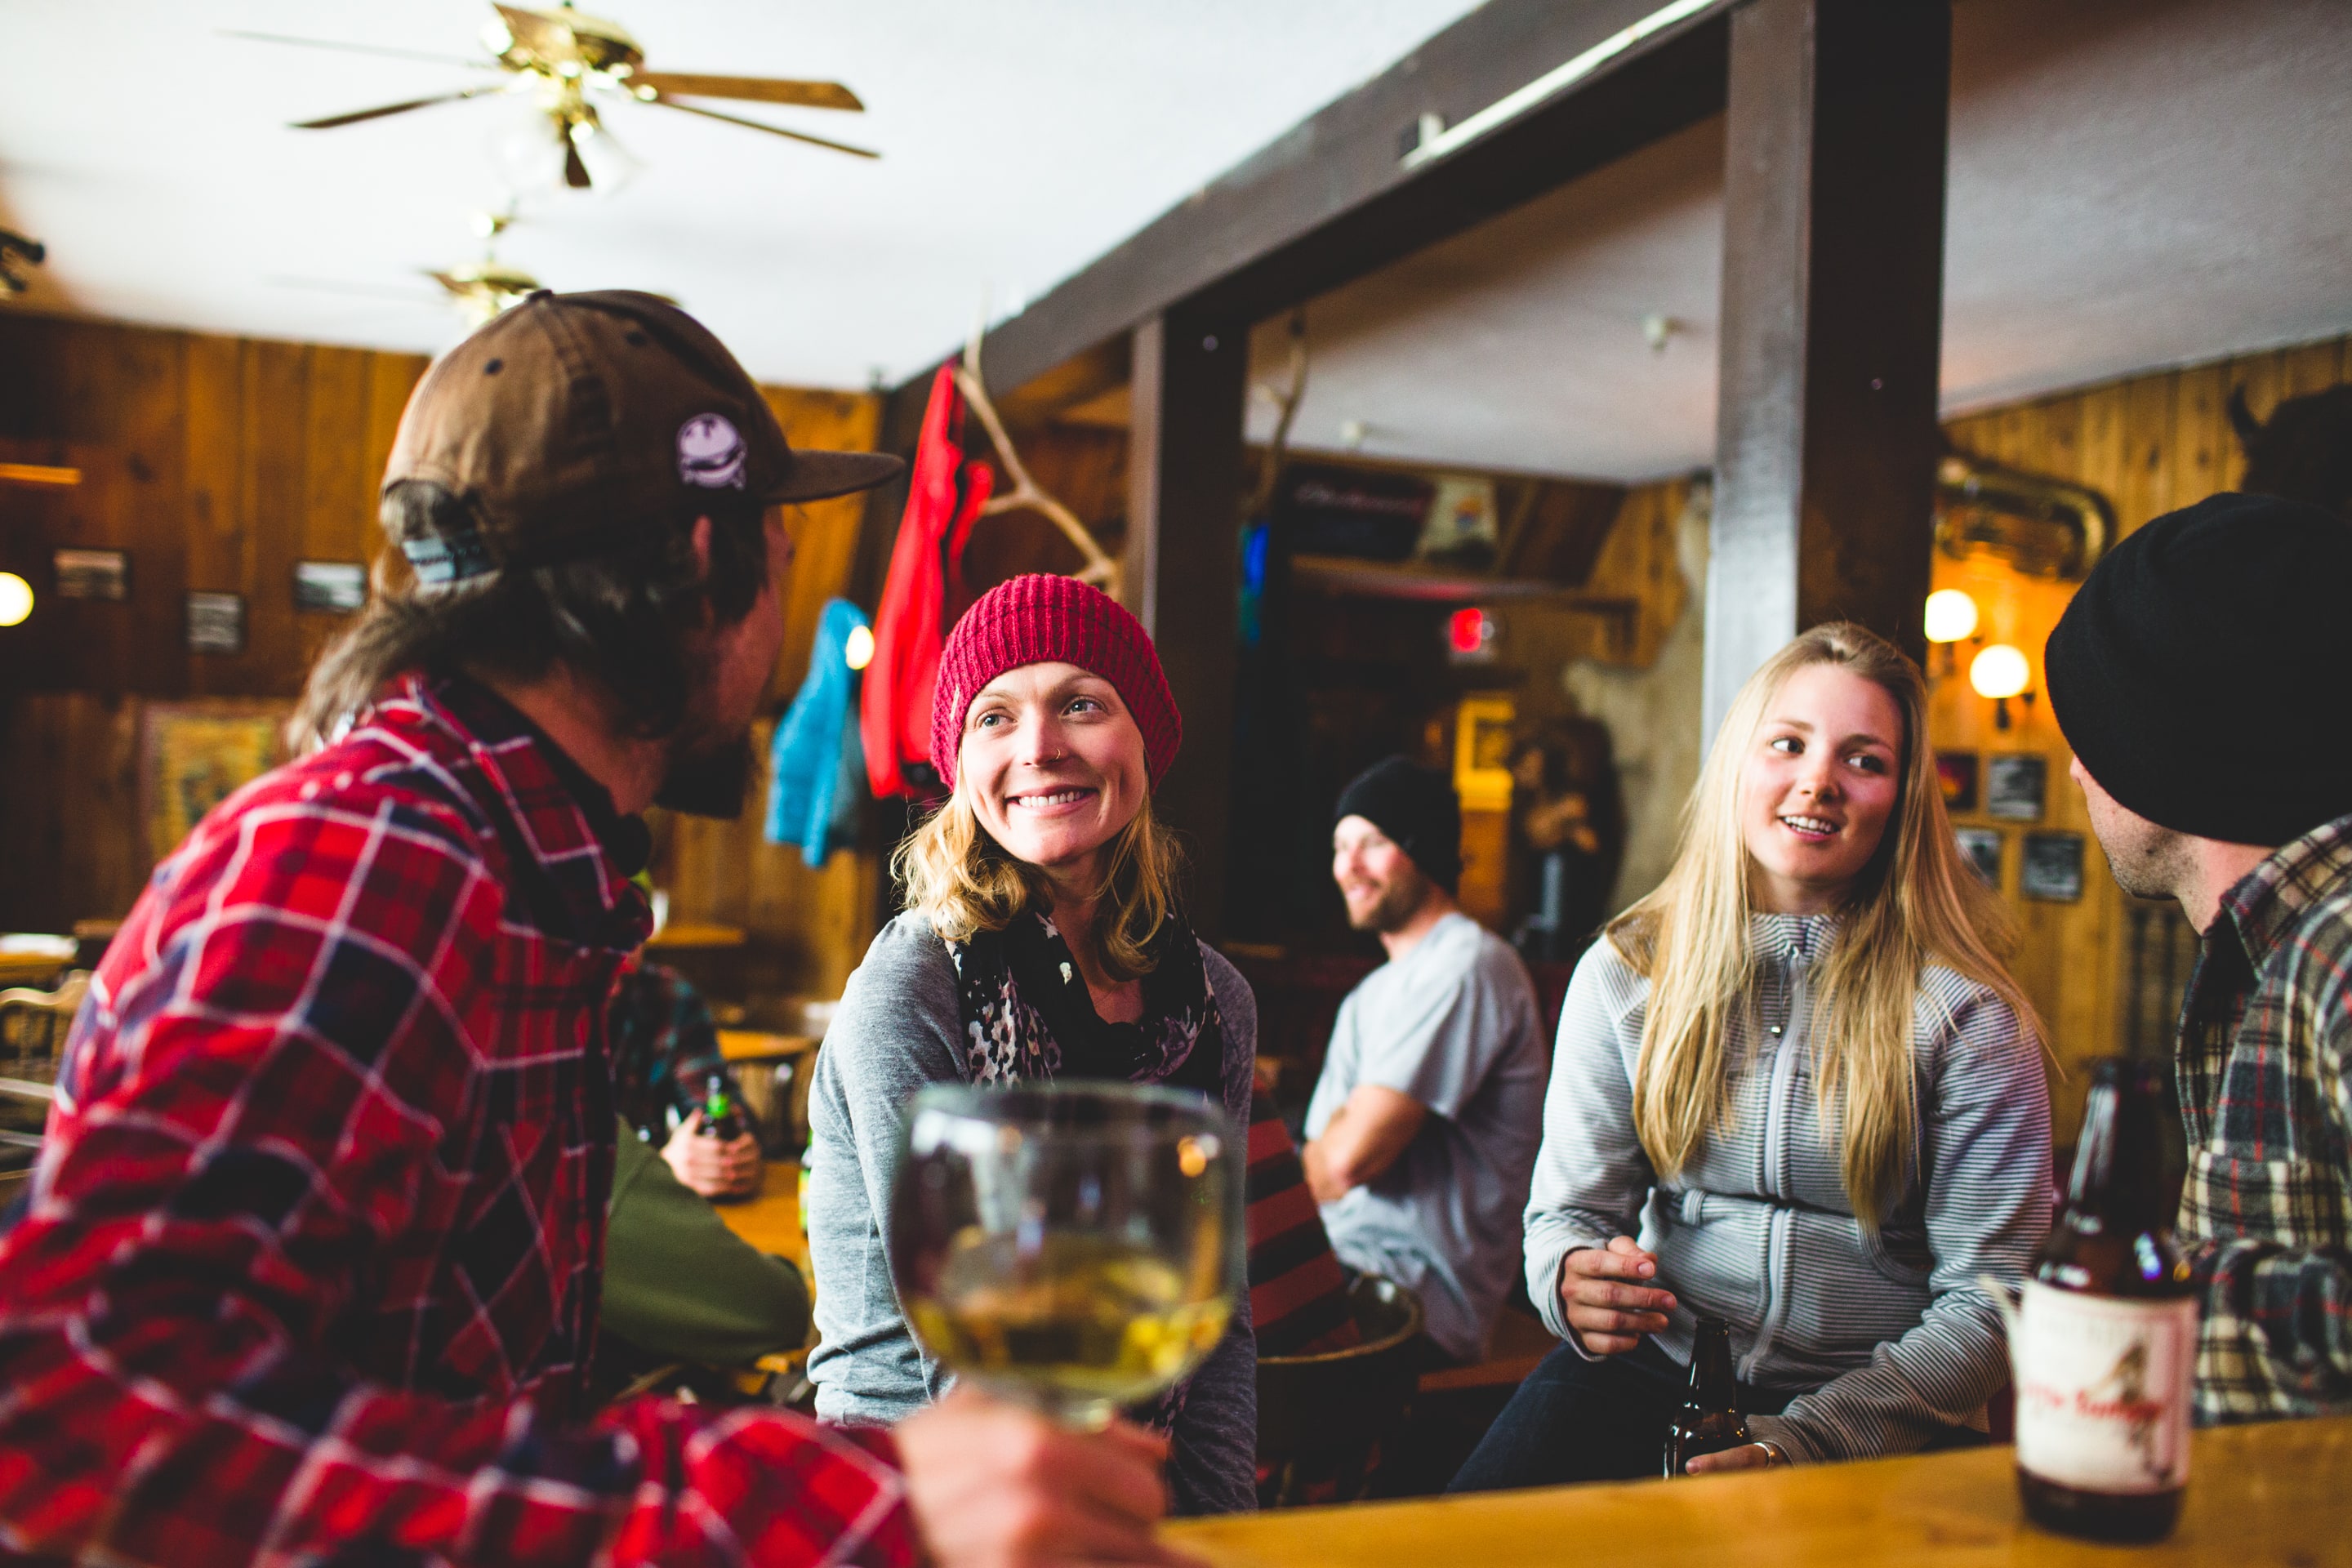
[{"x": 1078, "y": 1248}]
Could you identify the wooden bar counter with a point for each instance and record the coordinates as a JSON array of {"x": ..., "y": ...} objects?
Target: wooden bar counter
[{"x": 2273, "y": 1496}]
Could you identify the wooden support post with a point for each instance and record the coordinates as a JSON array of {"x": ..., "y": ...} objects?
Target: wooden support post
[
  {"x": 1181, "y": 574},
  {"x": 1832, "y": 302}
]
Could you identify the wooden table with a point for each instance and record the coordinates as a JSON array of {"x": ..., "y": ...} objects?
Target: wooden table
[
  {"x": 690, "y": 936},
  {"x": 770, "y": 1221},
  {"x": 759, "y": 1045},
  {"x": 2278, "y": 1494}
]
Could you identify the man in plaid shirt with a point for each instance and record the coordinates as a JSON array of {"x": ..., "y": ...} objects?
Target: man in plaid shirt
[
  {"x": 311, "y": 1260},
  {"x": 2213, "y": 777}
]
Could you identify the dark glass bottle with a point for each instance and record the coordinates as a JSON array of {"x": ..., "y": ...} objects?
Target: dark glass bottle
[
  {"x": 1709, "y": 1420},
  {"x": 718, "y": 1118},
  {"x": 2105, "y": 1342}
]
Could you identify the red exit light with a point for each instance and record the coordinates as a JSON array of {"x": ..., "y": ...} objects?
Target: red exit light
[{"x": 1466, "y": 630}]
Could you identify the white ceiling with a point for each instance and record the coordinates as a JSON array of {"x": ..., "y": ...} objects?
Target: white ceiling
[
  {"x": 1020, "y": 138},
  {"x": 2133, "y": 184}
]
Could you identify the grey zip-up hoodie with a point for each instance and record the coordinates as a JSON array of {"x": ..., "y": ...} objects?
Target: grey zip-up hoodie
[
  {"x": 898, "y": 1028},
  {"x": 1890, "y": 1331}
]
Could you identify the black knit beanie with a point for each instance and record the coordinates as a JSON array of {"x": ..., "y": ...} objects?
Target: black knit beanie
[
  {"x": 2190, "y": 674},
  {"x": 1418, "y": 810}
]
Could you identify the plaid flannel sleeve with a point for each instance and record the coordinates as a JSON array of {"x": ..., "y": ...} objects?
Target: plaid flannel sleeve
[
  {"x": 2276, "y": 1338},
  {"x": 243, "y": 1119}
]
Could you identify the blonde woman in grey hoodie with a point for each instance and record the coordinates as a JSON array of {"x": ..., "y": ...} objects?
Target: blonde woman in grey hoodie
[{"x": 1797, "y": 1089}]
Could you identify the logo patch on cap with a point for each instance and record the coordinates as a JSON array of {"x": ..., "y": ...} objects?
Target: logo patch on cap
[{"x": 711, "y": 453}]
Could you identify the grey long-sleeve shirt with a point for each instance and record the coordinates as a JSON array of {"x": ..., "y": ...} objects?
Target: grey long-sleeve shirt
[
  {"x": 898, "y": 1028},
  {"x": 1890, "y": 1331}
]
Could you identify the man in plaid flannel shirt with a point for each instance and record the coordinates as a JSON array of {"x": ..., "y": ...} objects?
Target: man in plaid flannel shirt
[
  {"x": 2213, "y": 778},
  {"x": 311, "y": 1266}
]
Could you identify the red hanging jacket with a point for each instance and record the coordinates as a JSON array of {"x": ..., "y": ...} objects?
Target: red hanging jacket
[{"x": 921, "y": 598}]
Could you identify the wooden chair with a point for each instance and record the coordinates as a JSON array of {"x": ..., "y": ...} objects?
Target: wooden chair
[
  {"x": 33, "y": 1028},
  {"x": 1321, "y": 1419}
]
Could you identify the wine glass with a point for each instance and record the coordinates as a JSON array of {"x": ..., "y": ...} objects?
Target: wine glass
[{"x": 1076, "y": 1247}]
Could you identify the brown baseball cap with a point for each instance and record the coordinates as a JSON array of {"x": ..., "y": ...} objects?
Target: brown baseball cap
[{"x": 573, "y": 422}]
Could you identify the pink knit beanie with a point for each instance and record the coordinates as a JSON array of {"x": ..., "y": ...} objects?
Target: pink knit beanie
[{"x": 1044, "y": 619}]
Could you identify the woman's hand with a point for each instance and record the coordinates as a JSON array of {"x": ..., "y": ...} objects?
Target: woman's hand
[
  {"x": 1747, "y": 1456},
  {"x": 993, "y": 1485},
  {"x": 1602, "y": 1296},
  {"x": 705, "y": 1165}
]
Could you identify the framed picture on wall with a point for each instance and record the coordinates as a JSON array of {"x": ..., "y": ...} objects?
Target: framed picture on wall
[
  {"x": 2016, "y": 784},
  {"x": 1956, "y": 771},
  {"x": 193, "y": 755},
  {"x": 215, "y": 623},
  {"x": 337, "y": 586},
  {"x": 93, "y": 574},
  {"x": 1980, "y": 847},
  {"x": 2051, "y": 867}
]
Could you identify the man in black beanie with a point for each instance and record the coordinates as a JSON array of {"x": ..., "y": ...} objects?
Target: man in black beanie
[
  {"x": 1424, "y": 1128},
  {"x": 2190, "y": 675}
]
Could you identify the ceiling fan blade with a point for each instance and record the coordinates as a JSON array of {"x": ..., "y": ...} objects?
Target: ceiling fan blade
[
  {"x": 575, "y": 167},
  {"x": 332, "y": 121},
  {"x": 755, "y": 125},
  {"x": 751, "y": 89},
  {"x": 361, "y": 49}
]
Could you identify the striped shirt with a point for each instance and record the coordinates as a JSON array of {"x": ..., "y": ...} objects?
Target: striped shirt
[
  {"x": 2265, "y": 1081},
  {"x": 1889, "y": 1332}
]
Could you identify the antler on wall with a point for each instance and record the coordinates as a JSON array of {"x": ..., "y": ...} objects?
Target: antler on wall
[
  {"x": 1026, "y": 494},
  {"x": 1269, "y": 474}
]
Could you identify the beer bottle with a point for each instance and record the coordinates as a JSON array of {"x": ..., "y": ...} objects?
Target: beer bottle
[
  {"x": 2106, "y": 1336},
  {"x": 1709, "y": 1420},
  {"x": 718, "y": 1118}
]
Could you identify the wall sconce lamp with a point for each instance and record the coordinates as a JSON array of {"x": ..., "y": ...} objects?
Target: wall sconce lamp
[
  {"x": 16, "y": 599},
  {"x": 1951, "y": 616},
  {"x": 2000, "y": 672}
]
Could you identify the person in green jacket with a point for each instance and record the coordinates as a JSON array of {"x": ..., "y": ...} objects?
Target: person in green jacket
[{"x": 678, "y": 1285}]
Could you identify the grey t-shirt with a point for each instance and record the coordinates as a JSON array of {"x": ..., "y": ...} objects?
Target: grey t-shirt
[{"x": 1454, "y": 1025}]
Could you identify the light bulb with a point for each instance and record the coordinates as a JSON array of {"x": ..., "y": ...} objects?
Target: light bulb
[
  {"x": 1951, "y": 615},
  {"x": 16, "y": 599},
  {"x": 859, "y": 648},
  {"x": 2000, "y": 671}
]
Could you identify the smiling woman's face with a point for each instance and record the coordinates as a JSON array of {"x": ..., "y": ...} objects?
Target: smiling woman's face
[
  {"x": 1818, "y": 787},
  {"x": 1053, "y": 765}
]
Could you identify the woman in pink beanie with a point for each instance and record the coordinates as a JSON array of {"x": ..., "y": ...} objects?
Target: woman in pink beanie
[{"x": 1043, "y": 938}]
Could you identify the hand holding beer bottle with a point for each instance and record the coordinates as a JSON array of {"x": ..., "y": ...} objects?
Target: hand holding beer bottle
[
  {"x": 712, "y": 1153},
  {"x": 1709, "y": 1421}
]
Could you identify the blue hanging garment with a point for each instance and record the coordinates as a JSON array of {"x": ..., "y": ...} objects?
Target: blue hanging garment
[{"x": 805, "y": 769}]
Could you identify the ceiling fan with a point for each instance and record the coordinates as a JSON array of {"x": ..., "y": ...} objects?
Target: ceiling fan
[
  {"x": 488, "y": 286},
  {"x": 568, "y": 62}
]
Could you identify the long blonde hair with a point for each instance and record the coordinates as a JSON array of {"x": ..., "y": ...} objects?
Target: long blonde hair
[
  {"x": 958, "y": 877},
  {"x": 1915, "y": 903}
]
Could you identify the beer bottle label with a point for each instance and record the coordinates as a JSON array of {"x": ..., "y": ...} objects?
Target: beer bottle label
[{"x": 2103, "y": 1390}]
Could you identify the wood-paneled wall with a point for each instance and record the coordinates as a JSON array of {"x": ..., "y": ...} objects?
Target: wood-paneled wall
[
  {"x": 2151, "y": 444},
  {"x": 217, "y": 463}
]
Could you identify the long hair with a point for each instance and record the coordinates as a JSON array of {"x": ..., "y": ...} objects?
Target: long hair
[
  {"x": 623, "y": 620},
  {"x": 958, "y": 877},
  {"x": 1915, "y": 903}
]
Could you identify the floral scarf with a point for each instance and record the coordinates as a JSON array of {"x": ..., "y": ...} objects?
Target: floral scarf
[{"x": 1026, "y": 1013}]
